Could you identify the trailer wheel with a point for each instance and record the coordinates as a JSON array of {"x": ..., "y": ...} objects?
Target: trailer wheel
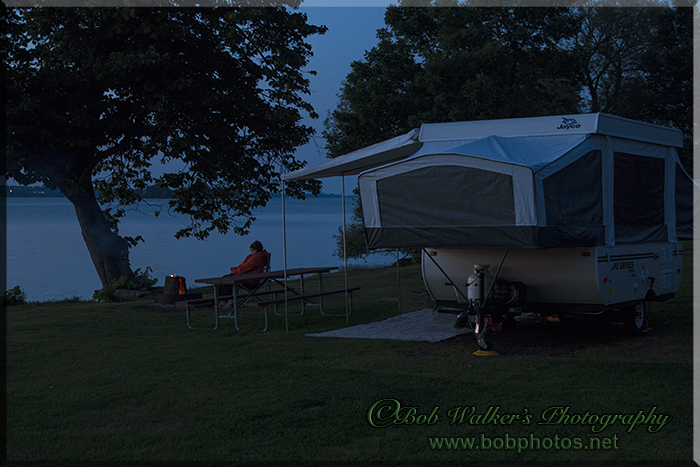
[
  {"x": 634, "y": 317},
  {"x": 509, "y": 323}
]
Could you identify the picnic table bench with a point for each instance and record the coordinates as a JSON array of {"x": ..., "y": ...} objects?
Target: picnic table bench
[
  {"x": 306, "y": 296},
  {"x": 210, "y": 300},
  {"x": 264, "y": 278}
]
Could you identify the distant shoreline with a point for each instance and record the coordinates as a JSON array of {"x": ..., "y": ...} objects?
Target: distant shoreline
[{"x": 18, "y": 191}]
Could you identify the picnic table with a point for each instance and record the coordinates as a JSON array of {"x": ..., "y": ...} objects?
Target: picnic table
[{"x": 269, "y": 296}]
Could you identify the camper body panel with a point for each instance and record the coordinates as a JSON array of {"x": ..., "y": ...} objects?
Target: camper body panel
[
  {"x": 582, "y": 279},
  {"x": 640, "y": 272}
]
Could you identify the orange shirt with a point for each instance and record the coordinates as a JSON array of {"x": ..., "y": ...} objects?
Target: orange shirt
[{"x": 255, "y": 262}]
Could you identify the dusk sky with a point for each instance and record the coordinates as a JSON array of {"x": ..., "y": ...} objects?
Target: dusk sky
[{"x": 351, "y": 32}]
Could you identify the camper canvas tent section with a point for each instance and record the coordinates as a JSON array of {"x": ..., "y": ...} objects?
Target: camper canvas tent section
[
  {"x": 536, "y": 143},
  {"x": 584, "y": 180}
]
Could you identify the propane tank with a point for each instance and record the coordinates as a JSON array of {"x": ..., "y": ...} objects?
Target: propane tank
[{"x": 478, "y": 283}]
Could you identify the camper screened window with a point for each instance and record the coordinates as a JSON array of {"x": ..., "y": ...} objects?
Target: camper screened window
[
  {"x": 574, "y": 194},
  {"x": 639, "y": 198},
  {"x": 446, "y": 196},
  {"x": 684, "y": 204}
]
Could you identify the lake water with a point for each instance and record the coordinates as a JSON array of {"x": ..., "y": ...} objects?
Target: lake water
[{"x": 48, "y": 259}]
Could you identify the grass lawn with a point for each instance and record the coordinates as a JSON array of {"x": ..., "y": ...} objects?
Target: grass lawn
[{"x": 130, "y": 381}]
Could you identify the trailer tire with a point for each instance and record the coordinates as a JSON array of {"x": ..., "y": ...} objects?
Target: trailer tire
[
  {"x": 509, "y": 323},
  {"x": 634, "y": 318}
]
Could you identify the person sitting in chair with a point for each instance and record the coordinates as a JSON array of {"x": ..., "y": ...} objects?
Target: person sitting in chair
[{"x": 256, "y": 261}]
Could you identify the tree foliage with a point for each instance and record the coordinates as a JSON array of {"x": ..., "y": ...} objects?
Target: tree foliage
[
  {"x": 637, "y": 63},
  {"x": 97, "y": 95}
]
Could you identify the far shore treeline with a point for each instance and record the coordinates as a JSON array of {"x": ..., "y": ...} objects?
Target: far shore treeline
[
  {"x": 150, "y": 192},
  {"x": 18, "y": 191}
]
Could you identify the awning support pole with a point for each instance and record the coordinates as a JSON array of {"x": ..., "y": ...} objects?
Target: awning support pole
[
  {"x": 398, "y": 279},
  {"x": 284, "y": 256},
  {"x": 345, "y": 253}
]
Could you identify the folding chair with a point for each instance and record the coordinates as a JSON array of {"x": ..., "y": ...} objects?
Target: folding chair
[{"x": 252, "y": 292}]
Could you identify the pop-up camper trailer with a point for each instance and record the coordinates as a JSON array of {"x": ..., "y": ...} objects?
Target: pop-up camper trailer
[{"x": 558, "y": 214}]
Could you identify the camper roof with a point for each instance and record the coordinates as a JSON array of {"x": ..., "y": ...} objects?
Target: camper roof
[
  {"x": 403, "y": 146},
  {"x": 584, "y": 124}
]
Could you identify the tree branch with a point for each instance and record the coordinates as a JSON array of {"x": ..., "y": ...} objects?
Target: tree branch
[{"x": 101, "y": 156}]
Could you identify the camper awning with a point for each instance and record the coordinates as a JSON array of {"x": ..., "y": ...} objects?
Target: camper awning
[{"x": 357, "y": 161}]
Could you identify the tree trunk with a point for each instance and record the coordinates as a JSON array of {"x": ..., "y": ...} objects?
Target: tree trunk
[{"x": 109, "y": 252}]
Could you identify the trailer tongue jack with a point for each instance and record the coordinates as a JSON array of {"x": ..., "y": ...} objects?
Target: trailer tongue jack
[{"x": 476, "y": 297}]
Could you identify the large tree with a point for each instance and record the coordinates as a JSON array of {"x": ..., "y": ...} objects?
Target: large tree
[
  {"x": 95, "y": 95},
  {"x": 638, "y": 63}
]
